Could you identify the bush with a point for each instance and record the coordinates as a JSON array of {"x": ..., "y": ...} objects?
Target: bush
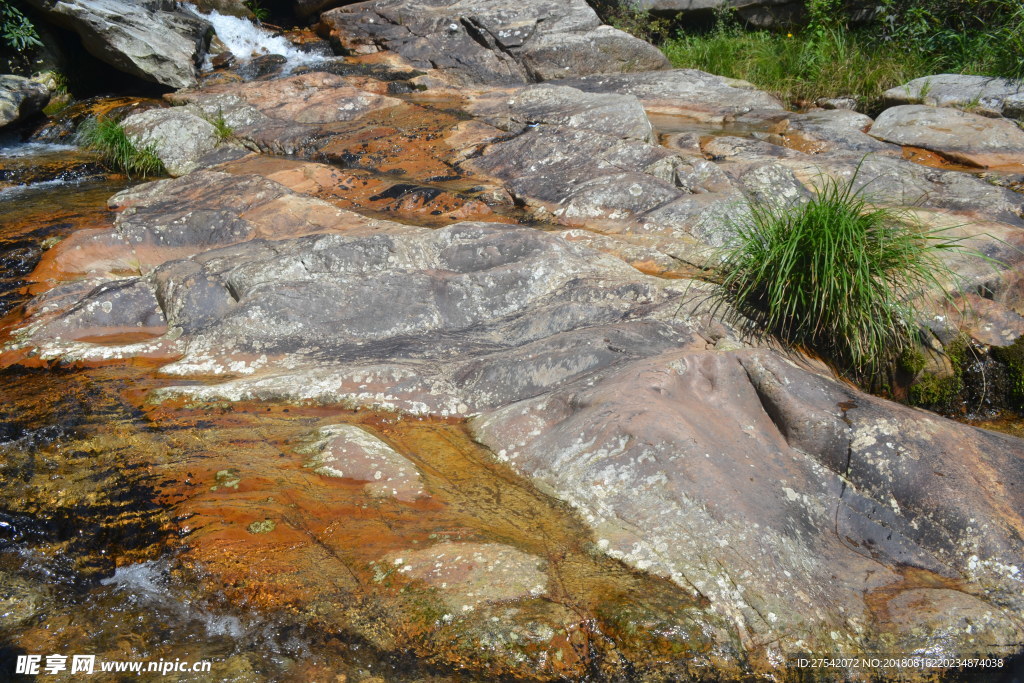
[
  {"x": 835, "y": 275},
  {"x": 110, "y": 139},
  {"x": 16, "y": 31}
]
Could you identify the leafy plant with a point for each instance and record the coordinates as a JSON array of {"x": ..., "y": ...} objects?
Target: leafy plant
[
  {"x": 260, "y": 12},
  {"x": 835, "y": 275},
  {"x": 109, "y": 138},
  {"x": 16, "y": 30}
]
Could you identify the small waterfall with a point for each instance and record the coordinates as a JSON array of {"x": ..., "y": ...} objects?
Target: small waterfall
[{"x": 246, "y": 40}]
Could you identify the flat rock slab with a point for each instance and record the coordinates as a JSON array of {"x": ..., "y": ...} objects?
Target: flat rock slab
[
  {"x": 467, "y": 574},
  {"x": 605, "y": 113},
  {"x": 835, "y": 129},
  {"x": 349, "y": 452},
  {"x": 20, "y": 98},
  {"x": 489, "y": 41},
  {"x": 970, "y": 139},
  {"x": 687, "y": 93},
  {"x": 984, "y": 95},
  {"x": 154, "y": 40}
]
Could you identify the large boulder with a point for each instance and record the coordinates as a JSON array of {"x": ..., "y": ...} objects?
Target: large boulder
[
  {"x": 155, "y": 40},
  {"x": 492, "y": 42},
  {"x": 756, "y": 12},
  {"x": 20, "y": 98}
]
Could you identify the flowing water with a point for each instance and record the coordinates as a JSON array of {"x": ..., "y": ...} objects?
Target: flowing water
[{"x": 141, "y": 532}]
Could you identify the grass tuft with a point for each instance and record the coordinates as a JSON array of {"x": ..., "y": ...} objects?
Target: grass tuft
[
  {"x": 835, "y": 275},
  {"x": 109, "y": 138}
]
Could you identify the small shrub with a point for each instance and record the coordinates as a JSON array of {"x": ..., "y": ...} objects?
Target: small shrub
[
  {"x": 835, "y": 275},
  {"x": 110, "y": 139},
  {"x": 16, "y": 30}
]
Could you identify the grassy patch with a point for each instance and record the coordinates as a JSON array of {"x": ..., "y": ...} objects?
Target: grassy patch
[
  {"x": 826, "y": 58},
  {"x": 800, "y": 68},
  {"x": 110, "y": 139},
  {"x": 835, "y": 275}
]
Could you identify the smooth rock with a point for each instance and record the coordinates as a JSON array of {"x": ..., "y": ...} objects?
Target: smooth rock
[
  {"x": 468, "y": 574},
  {"x": 843, "y": 129},
  {"x": 856, "y": 501},
  {"x": 966, "y": 138},
  {"x": 609, "y": 114},
  {"x": 985, "y": 95},
  {"x": 178, "y": 137},
  {"x": 490, "y": 42},
  {"x": 684, "y": 93},
  {"x": 349, "y": 452},
  {"x": 155, "y": 40},
  {"x": 20, "y": 98}
]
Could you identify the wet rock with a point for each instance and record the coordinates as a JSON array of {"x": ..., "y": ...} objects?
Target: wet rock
[
  {"x": 111, "y": 308},
  {"x": 686, "y": 93},
  {"x": 346, "y": 451},
  {"x": 234, "y": 8},
  {"x": 984, "y": 95},
  {"x": 21, "y": 601},
  {"x": 285, "y": 115},
  {"x": 178, "y": 137},
  {"x": 967, "y": 138},
  {"x": 610, "y": 114},
  {"x": 837, "y": 129},
  {"x": 488, "y": 42},
  {"x": 467, "y": 574},
  {"x": 20, "y": 98},
  {"x": 155, "y": 40}
]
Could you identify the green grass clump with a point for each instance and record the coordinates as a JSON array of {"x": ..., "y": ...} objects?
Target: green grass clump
[
  {"x": 224, "y": 130},
  {"x": 109, "y": 138},
  {"x": 835, "y": 275}
]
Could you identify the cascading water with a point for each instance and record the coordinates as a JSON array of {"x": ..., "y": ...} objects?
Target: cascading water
[{"x": 245, "y": 40}]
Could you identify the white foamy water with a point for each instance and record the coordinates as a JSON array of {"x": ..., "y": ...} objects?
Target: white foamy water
[
  {"x": 246, "y": 40},
  {"x": 11, "y": 150}
]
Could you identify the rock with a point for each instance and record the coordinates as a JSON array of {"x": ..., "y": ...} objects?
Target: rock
[
  {"x": 348, "y": 452},
  {"x": 20, "y": 98},
  {"x": 177, "y": 136},
  {"x": 747, "y": 456},
  {"x": 467, "y": 574},
  {"x": 233, "y": 8},
  {"x": 837, "y": 103},
  {"x": 154, "y": 40},
  {"x": 515, "y": 109},
  {"x": 489, "y": 42},
  {"x": 285, "y": 114},
  {"x": 966, "y": 138},
  {"x": 684, "y": 93},
  {"x": 832, "y": 129},
  {"x": 984, "y": 95}
]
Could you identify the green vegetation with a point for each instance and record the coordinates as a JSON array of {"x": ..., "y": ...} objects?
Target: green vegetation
[
  {"x": 1012, "y": 357},
  {"x": 942, "y": 393},
  {"x": 832, "y": 57},
  {"x": 260, "y": 12},
  {"x": 224, "y": 130},
  {"x": 119, "y": 152},
  {"x": 835, "y": 275},
  {"x": 17, "y": 32}
]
